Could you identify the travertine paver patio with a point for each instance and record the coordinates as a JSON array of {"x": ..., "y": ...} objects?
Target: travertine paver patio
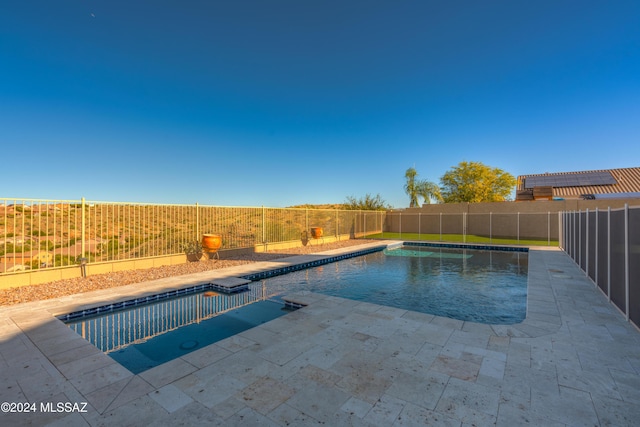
[{"x": 573, "y": 361}]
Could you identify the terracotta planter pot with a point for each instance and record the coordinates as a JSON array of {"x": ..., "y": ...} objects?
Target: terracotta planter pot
[
  {"x": 316, "y": 232},
  {"x": 211, "y": 242}
]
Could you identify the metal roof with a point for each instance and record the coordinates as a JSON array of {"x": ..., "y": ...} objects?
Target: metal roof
[{"x": 627, "y": 180}]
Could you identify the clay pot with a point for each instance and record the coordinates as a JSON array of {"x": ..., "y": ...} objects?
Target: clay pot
[
  {"x": 316, "y": 232},
  {"x": 211, "y": 242}
]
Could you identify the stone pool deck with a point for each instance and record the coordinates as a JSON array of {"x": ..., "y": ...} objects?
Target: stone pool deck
[{"x": 574, "y": 361}]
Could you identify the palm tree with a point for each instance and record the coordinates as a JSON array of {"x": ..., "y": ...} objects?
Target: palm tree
[
  {"x": 428, "y": 190},
  {"x": 415, "y": 188},
  {"x": 410, "y": 186}
]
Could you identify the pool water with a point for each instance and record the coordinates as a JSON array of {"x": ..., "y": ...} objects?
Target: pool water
[
  {"x": 484, "y": 286},
  {"x": 166, "y": 347},
  {"x": 143, "y": 336}
]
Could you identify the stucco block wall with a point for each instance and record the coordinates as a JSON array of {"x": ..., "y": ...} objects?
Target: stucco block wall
[{"x": 526, "y": 220}]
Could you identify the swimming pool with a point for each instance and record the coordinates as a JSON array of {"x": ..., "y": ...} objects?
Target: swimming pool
[
  {"x": 480, "y": 285},
  {"x": 485, "y": 286}
]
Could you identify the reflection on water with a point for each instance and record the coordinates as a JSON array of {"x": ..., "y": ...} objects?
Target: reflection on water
[
  {"x": 112, "y": 331},
  {"x": 466, "y": 284}
]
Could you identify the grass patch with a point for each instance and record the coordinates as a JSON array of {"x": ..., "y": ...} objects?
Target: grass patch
[{"x": 459, "y": 238}]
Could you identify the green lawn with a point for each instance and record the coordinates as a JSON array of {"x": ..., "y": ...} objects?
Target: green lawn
[{"x": 459, "y": 238}]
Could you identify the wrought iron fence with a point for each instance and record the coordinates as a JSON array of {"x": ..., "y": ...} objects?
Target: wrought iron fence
[
  {"x": 45, "y": 234},
  {"x": 39, "y": 234},
  {"x": 606, "y": 246}
]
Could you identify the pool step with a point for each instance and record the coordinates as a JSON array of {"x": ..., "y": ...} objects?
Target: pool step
[
  {"x": 230, "y": 284},
  {"x": 295, "y": 301}
]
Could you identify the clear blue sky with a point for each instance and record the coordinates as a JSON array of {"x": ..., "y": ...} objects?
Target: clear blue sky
[{"x": 278, "y": 103}]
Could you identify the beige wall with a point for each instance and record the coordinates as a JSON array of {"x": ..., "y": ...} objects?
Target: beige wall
[
  {"x": 531, "y": 207},
  {"x": 536, "y": 219},
  {"x": 14, "y": 280},
  {"x": 50, "y": 275}
]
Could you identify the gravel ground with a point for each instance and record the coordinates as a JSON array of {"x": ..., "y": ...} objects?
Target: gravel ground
[{"x": 110, "y": 280}]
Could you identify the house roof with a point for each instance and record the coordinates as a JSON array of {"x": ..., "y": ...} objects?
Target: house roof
[{"x": 624, "y": 181}]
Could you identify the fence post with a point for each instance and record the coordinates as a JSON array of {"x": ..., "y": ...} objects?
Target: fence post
[
  {"x": 609, "y": 253},
  {"x": 400, "y": 226},
  {"x": 364, "y": 225},
  {"x": 595, "y": 274},
  {"x": 464, "y": 227},
  {"x": 586, "y": 243},
  {"x": 568, "y": 242},
  {"x": 419, "y": 223},
  {"x": 565, "y": 231},
  {"x": 626, "y": 260},
  {"x": 567, "y": 226},
  {"x": 518, "y": 227},
  {"x": 490, "y": 227},
  {"x": 441, "y": 226},
  {"x": 579, "y": 237},
  {"x": 575, "y": 234},
  {"x": 571, "y": 233},
  {"x": 561, "y": 230},
  {"x": 197, "y": 220},
  {"x": 549, "y": 229},
  {"x": 264, "y": 231},
  {"x": 83, "y": 236}
]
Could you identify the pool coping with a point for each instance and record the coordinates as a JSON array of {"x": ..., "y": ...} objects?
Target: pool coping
[{"x": 79, "y": 372}]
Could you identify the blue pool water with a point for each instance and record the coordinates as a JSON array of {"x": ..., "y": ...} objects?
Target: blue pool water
[
  {"x": 145, "y": 335},
  {"x": 483, "y": 286}
]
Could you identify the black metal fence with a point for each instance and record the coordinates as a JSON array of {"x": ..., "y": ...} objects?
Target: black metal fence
[{"x": 606, "y": 246}]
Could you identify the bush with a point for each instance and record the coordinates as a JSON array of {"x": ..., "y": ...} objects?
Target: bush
[{"x": 46, "y": 245}]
